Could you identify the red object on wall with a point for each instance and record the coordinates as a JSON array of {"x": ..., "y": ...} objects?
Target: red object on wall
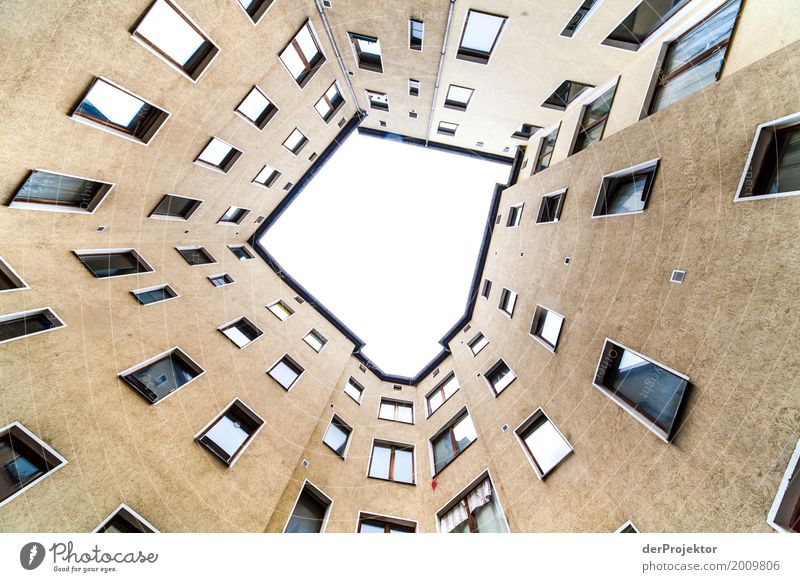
[{"x": 434, "y": 485}]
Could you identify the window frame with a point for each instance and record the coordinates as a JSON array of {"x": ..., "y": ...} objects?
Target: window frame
[
  {"x": 91, "y": 207},
  {"x": 541, "y": 153},
  {"x": 202, "y": 249},
  {"x": 585, "y": 108},
  {"x": 507, "y": 296},
  {"x": 411, "y": 45},
  {"x": 515, "y": 215},
  {"x": 474, "y": 340},
  {"x": 334, "y": 109},
  {"x": 348, "y": 440},
  {"x": 457, "y": 105},
  {"x": 649, "y": 36},
  {"x": 183, "y": 218},
  {"x": 548, "y": 104},
  {"x": 353, "y": 38},
  {"x": 27, "y": 313},
  {"x": 205, "y": 63},
  {"x": 273, "y": 177},
  {"x": 224, "y": 275},
  {"x": 241, "y": 214},
  {"x": 228, "y": 161},
  {"x": 386, "y": 520},
  {"x": 15, "y": 278},
  {"x": 393, "y": 446},
  {"x": 666, "y": 438},
  {"x": 18, "y": 426},
  {"x": 300, "y": 145},
  {"x": 99, "y": 252},
  {"x": 321, "y": 498},
  {"x": 561, "y": 194},
  {"x": 175, "y": 294},
  {"x": 160, "y": 116},
  {"x": 284, "y": 305},
  {"x": 485, "y": 474},
  {"x": 412, "y": 89},
  {"x": 581, "y": 22},
  {"x": 126, "y": 375},
  {"x": 225, "y": 326},
  {"x": 311, "y": 67},
  {"x": 358, "y": 386},
  {"x": 397, "y": 403},
  {"x": 750, "y": 171},
  {"x": 123, "y": 508},
  {"x": 486, "y": 289},
  {"x": 440, "y": 388},
  {"x": 450, "y": 132},
  {"x": 258, "y": 13},
  {"x": 316, "y": 332},
  {"x": 250, "y": 256},
  {"x": 474, "y": 56},
  {"x": 491, "y": 369},
  {"x": 242, "y": 409},
  {"x": 538, "y": 313},
  {"x": 269, "y": 112},
  {"x": 462, "y": 413},
  {"x": 628, "y": 524},
  {"x": 377, "y": 105},
  {"x": 792, "y": 472},
  {"x": 526, "y": 428},
  {"x": 292, "y": 363},
  {"x": 649, "y": 167}
]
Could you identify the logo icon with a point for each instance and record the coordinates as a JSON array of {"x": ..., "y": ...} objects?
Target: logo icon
[{"x": 31, "y": 555}]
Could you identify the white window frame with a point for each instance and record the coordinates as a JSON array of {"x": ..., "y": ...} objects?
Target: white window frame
[
  {"x": 196, "y": 248},
  {"x": 460, "y": 495},
  {"x": 264, "y": 95},
  {"x": 136, "y": 515},
  {"x": 521, "y": 207},
  {"x": 44, "y": 207},
  {"x": 343, "y": 456},
  {"x": 274, "y": 176},
  {"x": 794, "y": 461},
  {"x": 283, "y": 303},
  {"x": 421, "y": 41},
  {"x": 648, "y": 165},
  {"x": 214, "y": 276},
  {"x": 231, "y": 322},
  {"x": 44, "y": 445},
  {"x": 495, "y": 393},
  {"x": 293, "y": 362},
  {"x": 470, "y": 342},
  {"x": 563, "y": 194},
  {"x": 314, "y": 331},
  {"x": 153, "y": 288},
  {"x": 494, "y": 44},
  {"x": 317, "y": 492},
  {"x": 627, "y": 523},
  {"x": 175, "y": 218},
  {"x": 208, "y": 165},
  {"x": 547, "y": 346},
  {"x": 15, "y": 277},
  {"x": 154, "y": 359},
  {"x": 357, "y": 384},
  {"x": 218, "y": 417},
  {"x": 539, "y": 412}
]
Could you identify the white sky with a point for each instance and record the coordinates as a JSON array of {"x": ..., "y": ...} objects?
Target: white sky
[{"x": 386, "y": 236}]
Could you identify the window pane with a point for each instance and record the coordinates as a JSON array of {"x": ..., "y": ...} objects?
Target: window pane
[
  {"x": 435, "y": 400},
  {"x": 403, "y": 466},
  {"x": 625, "y": 195},
  {"x": 381, "y": 458},
  {"x": 106, "y": 102},
  {"x": 307, "y": 515},
  {"x": 353, "y": 391},
  {"x": 547, "y": 446},
  {"x": 442, "y": 451},
  {"x": 481, "y": 31},
  {"x": 253, "y": 105},
  {"x": 367, "y": 527},
  {"x": 336, "y": 437},
  {"x": 215, "y": 152},
  {"x": 387, "y": 410},
  {"x": 464, "y": 432},
  {"x": 488, "y": 519},
  {"x": 167, "y": 29},
  {"x": 284, "y": 374},
  {"x": 405, "y": 413},
  {"x": 228, "y": 435},
  {"x": 551, "y": 327},
  {"x": 689, "y": 82}
]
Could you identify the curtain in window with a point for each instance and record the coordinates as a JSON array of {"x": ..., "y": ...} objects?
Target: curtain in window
[{"x": 475, "y": 500}]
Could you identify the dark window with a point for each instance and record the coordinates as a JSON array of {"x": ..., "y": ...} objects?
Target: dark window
[
  {"x": 302, "y": 57},
  {"x": 514, "y": 216},
  {"x": 487, "y": 288},
  {"x": 546, "y": 327},
  {"x": 107, "y": 105},
  {"x": 221, "y": 280},
  {"x": 167, "y": 373},
  {"x": 19, "y": 325},
  {"x": 416, "y": 30},
  {"x": 8, "y": 279},
  {"x": 46, "y": 189},
  {"x": 367, "y": 50},
  {"x": 234, "y": 215},
  {"x": 309, "y": 512},
  {"x": 627, "y": 191},
  {"x": 578, "y": 17},
  {"x": 413, "y": 87},
  {"x": 452, "y": 441},
  {"x": 499, "y": 377},
  {"x": 337, "y": 435},
  {"x": 257, "y": 108},
  {"x": 123, "y": 520},
  {"x": 165, "y": 29},
  {"x": 230, "y": 432},
  {"x": 24, "y": 460},
  {"x": 694, "y": 60},
  {"x": 196, "y": 255},
  {"x": 255, "y": 8},
  {"x": 565, "y": 94},
  {"x": 447, "y": 128},
  {"x": 392, "y": 462},
  {"x": 382, "y": 525},
  {"x": 545, "y": 154},
  {"x": 550, "y": 207},
  {"x": 240, "y": 252},
  {"x": 176, "y": 207},
  {"x": 525, "y": 131},
  {"x": 479, "y": 38},
  {"x": 593, "y": 121},
  {"x": 508, "y": 300},
  {"x": 113, "y": 264},
  {"x": 154, "y": 295},
  {"x": 775, "y": 163},
  {"x": 645, "y": 389},
  {"x": 648, "y": 16}
]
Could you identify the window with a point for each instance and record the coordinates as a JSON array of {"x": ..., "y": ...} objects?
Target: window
[
  {"x": 329, "y": 103},
  {"x": 369, "y": 523},
  {"x": 108, "y": 106},
  {"x": 413, "y": 87},
  {"x": 196, "y": 255},
  {"x": 565, "y": 94},
  {"x": 458, "y": 97},
  {"x": 303, "y": 57},
  {"x": 9, "y": 280},
  {"x": 627, "y": 527},
  {"x": 627, "y": 191},
  {"x": 477, "y": 343},
  {"x": 784, "y": 515},
  {"x": 773, "y": 165},
  {"x": 525, "y": 131},
  {"x": 593, "y": 121},
  {"x": 396, "y": 410},
  {"x": 508, "y": 299},
  {"x": 218, "y": 156},
  {"x": 27, "y": 323},
  {"x": 234, "y": 215},
  {"x": 125, "y": 520},
  {"x": 447, "y": 128},
  {"x": 154, "y": 294},
  {"x": 550, "y": 207},
  {"x": 26, "y": 460},
  {"x": 172, "y": 36},
  {"x": 579, "y": 17},
  {"x": 228, "y": 435},
  {"x": 481, "y": 31},
  {"x": 242, "y": 332},
  {"x": 546, "y": 327},
  {"x": 694, "y": 60},
  {"x": 452, "y": 440},
  {"x": 286, "y": 372},
  {"x": 255, "y": 9},
  {"x": 487, "y": 289},
  {"x": 354, "y": 390},
  {"x": 442, "y": 393},
  {"x": 378, "y": 100},
  {"x": 280, "y": 310},
  {"x": 416, "y": 31},
  {"x": 545, "y": 154},
  {"x": 44, "y": 190},
  {"x": 338, "y": 436},
  {"x": 162, "y": 375},
  {"x": 257, "y": 108},
  {"x": 267, "y": 176},
  {"x": 316, "y": 340},
  {"x": 648, "y": 16},
  {"x": 295, "y": 142},
  {"x": 514, "y": 215},
  {"x": 310, "y": 511},
  {"x": 648, "y": 391},
  {"x": 221, "y": 280},
  {"x": 241, "y": 252},
  {"x": 367, "y": 50},
  {"x": 477, "y": 510},
  {"x": 113, "y": 262},
  {"x": 499, "y": 377},
  {"x": 543, "y": 443},
  {"x": 392, "y": 462},
  {"x": 173, "y": 207}
]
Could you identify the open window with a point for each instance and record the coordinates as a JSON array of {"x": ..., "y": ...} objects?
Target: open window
[
  {"x": 22, "y": 324},
  {"x": 550, "y": 207},
  {"x": 310, "y": 513},
  {"x": 230, "y": 433},
  {"x": 479, "y": 38},
  {"x": 546, "y": 327},
  {"x": 640, "y": 24},
  {"x": 452, "y": 440},
  {"x": 543, "y": 443},
  {"x": 43, "y": 190},
  {"x": 773, "y": 165},
  {"x": 354, "y": 390},
  {"x": 162, "y": 375},
  {"x": 499, "y": 377},
  {"x": 26, "y": 460},
  {"x": 447, "y": 128},
  {"x": 241, "y": 332},
  {"x": 337, "y": 437},
  {"x": 544, "y": 155},
  {"x": 565, "y": 94},
  {"x": 267, "y": 177},
  {"x": 303, "y": 56},
  {"x": 593, "y": 121},
  {"x": 367, "y": 52},
  {"x": 626, "y": 191},
  {"x": 514, "y": 215},
  {"x": 477, "y": 343},
  {"x": 103, "y": 263}
]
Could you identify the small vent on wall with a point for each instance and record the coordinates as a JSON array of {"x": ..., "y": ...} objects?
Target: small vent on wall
[
  {"x": 299, "y": 299},
  {"x": 677, "y": 276},
  {"x": 312, "y": 157},
  {"x": 382, "y": 123},
  {"x": 412, "y": 114},
  {"x": 396, "y": 387},
  {"x": 305, "y": 464},
  {"x": 436, "y": 372},
  {"x": 259, "y": 220},
  {"x": 100, "y": 228},
  {"x": 524, "y": 164},
  {"x": 506, "y": 149},
  {"x": 504, "y": 428},
  {"x": 497, "y": 220},
  {"x": 288, "y": 186},
  {"x": 467, "y": 328},
  {"x": 362, "y": 367},
  {"x": 327, "y": 3},
  {"x": 342, "y": 121},
  {"x": 567, "y": 260},
  {"x": 479, "y": 144}
]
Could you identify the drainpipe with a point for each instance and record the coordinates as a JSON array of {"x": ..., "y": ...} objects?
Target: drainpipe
[
  {"x": 339, "y": 60},
  {"x": 439, "y": 72}
]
